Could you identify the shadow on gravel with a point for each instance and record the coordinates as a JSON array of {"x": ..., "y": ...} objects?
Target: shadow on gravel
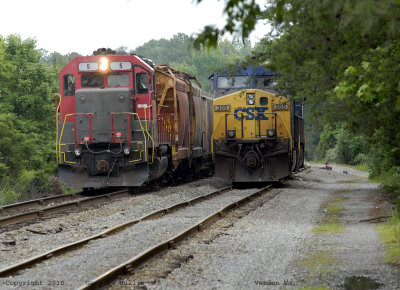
[
  {"x": 247, "y": 185},
  {"x": 360, "y": 283}
]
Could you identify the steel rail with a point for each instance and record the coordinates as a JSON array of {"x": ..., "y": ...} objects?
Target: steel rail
[
  {"x": 129, "y": 266},
  {"x": 60, "y": 250},
  {"x": 47, "y": 200},
  {"x": 38, "y": 202},
  {"x": 57, "y": 208}
]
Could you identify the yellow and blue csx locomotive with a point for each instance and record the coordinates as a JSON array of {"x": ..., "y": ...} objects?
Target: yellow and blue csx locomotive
[{"x": 258, "y": 136}]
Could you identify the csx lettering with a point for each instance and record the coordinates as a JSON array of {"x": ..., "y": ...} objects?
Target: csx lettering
[{"x": 251, "y": 113}]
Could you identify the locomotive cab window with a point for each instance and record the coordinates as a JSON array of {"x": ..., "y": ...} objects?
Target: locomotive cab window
[
  {"x": 142, "y": 83},
  {"x": 233, "y": 82},
  {"x": 92, "y": 80},
  {"x": 118, "y": 80},
  {"x": 69, "y": 85},
  {"x": 263, "y": 82}
]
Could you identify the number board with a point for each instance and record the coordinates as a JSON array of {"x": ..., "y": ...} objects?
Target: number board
[
  {"x": 88, "y": 66},
  {"x": 222, "y": 108},
  {"x": 121, "y": 65},
  {"x": 280, "y": 107}
]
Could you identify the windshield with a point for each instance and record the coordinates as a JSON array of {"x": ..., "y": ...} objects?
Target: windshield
[
  {"x": 91, "y": 80},
  {"x": 120, "y": 80},
  {"x": 263, "y": 81},
  {"x": 233, "y": 82}
]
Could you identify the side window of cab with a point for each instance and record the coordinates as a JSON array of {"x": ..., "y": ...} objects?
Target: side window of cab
[
  {"x": 69, "y": 85},
  {"x": 142, "y": 83}
]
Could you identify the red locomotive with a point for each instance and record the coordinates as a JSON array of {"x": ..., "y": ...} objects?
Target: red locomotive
[{"x": 121, "y": 121}]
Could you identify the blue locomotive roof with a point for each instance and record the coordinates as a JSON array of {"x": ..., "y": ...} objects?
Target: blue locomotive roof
[{"x": 227, "y": 82}]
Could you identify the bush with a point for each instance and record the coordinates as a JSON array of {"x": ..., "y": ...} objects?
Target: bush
[
  {"x": 7, "y": 195},
  {"x": 391, "y": 183},
  {"x": 338, "y": 145}
]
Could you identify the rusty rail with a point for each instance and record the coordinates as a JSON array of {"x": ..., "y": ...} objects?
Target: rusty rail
[
  {"x": 57, "y": 208},
  {"x": 39, "y": 202},
  {"x": 60, "y": 250},
  {"x": 128, "y": 266}
]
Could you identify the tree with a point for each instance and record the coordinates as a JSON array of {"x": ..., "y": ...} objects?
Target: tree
[
  {"x": 164, "y": 51},
  {"x": 242, "y": 18},
  {"x": 26, "y": 119}
]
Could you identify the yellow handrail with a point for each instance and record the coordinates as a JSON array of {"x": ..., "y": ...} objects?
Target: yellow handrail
[
  {"x": 57, "y": 109},
  {"x": 144, "y": 135},
  {"x": 140, "y": 153},
  {"x": 63, "y": 154},
  {"x": 212, "y": 135},
  {"x": 59, "y": 138},
  {"x": 62, "y": 132},
  {"x": 152, "y": 141},
  {"x": 290, "y": 135}
]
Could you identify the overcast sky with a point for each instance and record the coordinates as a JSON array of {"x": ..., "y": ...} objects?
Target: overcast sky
[{"x": 85, "y": 25}]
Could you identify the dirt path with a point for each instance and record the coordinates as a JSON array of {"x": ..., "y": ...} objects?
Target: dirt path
[{"x": 345, "y": 251}]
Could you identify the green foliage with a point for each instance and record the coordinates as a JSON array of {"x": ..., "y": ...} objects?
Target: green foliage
[
  {"x": 338, "y": 145},
  {"x": 164, "y": 51},
  {"x": 389, "y": 234},
  {"x": 58, "y": 61},
  {"x": 241, "y": 21},
  {"x": 391, "y": 183},
  {"x": 27, "y": 135}
]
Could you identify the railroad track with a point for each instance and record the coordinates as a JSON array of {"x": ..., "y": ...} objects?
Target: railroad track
[
  {"x": 204, "y": 210},
  {"x": 39, "y": 208}
]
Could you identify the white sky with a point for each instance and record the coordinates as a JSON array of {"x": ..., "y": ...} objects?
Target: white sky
[{"x": 85, "y": 25}]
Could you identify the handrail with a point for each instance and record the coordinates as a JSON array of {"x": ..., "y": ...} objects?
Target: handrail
[
  {"x": 76, "y": 137},
  {"x": 290, "y": 135},
  {"x": 140, "y": 123},
  {"x": 140, "y": 153},
  {"x": 59, "y": 138},
  {"x": 212, "y": 135},
  {"x": 152, "y": 141},
  {"x": 57, "y": 109}
]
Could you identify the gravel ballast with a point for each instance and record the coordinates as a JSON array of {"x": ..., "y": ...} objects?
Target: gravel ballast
[
  {"x": 269, "y": 243},
  {"x": 101, "y": 255},
  {"x": 34, "y": 239},
  {"x": 273, "y": 245}
]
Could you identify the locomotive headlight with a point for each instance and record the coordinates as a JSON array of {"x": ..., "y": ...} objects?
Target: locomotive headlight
[
  {"x": 250, "y": 98},
  {"x": 103, "y": 64},
  {"x": 77, "y": 152},
  {"x": 127, "y": 150},
  {"x": 231, "y": 133},
  {"x": 270, "y": 133}
]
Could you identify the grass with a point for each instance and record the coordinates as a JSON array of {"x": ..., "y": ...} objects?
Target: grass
[
  {"x": 389, "y": 234},
  {"x": 338, "y": 199},
  {"x": 330, "y": 223},
  {"x": 361, "y": 167},
  {"x": 376, "y": 179},
  {"x": 321, "y": 261}
]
